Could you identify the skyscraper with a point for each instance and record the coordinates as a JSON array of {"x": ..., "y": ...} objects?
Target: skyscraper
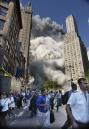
[
  {"x": 25, "y": 35},
  {"x": 76, "y": 60},
  {"x": 10, "y": 25}
]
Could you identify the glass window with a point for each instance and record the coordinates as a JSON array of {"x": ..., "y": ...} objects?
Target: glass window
[
  {"x": 6, "y": 1},
  {"x": 1, "y": 24},
  {"x": 3, "y": 11}
]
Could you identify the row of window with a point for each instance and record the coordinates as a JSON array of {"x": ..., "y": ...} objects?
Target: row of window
[
  {"x": 5, "y": 1},
  {"x": 3, "y": 11}
]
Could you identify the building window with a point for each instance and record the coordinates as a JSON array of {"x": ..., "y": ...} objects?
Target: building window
[
  {"x": 1, "y": 24},
  {"x": 6, "y": 1},
  {"x": 3, "y": 11}
]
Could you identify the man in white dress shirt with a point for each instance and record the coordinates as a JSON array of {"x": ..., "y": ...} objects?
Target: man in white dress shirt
[
  {"x": 4, "y": 102},
  {"x": 78, "y": 106}
]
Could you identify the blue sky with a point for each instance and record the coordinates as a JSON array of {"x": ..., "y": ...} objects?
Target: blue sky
[{"x": 58, "y": 10}]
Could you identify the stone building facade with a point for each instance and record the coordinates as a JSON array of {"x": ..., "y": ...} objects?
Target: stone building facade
[
  {"x": 75, "y": 54},
  {"x": 10, "y": 25},
  {"x": 25, "y": 34}
]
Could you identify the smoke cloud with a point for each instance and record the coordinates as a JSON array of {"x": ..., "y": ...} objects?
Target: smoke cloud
[
  {"x": 46, "y": 27},
  {"x": 47, "y": 51}
]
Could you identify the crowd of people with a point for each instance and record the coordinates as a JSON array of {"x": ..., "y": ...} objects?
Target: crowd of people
[
  {"x": 12, "y": 100},
  {"x": 42, "y": 103}
]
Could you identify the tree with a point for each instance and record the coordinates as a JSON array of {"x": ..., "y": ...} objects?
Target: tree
[
  {"x": 51, "y": 85},
  {"x": 87, "y": 75}
]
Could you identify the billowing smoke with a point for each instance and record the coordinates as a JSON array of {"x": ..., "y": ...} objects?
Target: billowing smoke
[
  {"x": 46, "y": 27},
  {"x": 47, "y": 51}
]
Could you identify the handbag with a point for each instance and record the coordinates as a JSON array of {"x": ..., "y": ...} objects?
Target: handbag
[{"x": 52, "y": 118}]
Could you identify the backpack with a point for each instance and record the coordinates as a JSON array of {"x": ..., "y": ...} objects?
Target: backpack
[{"x": 65, "y": 98}]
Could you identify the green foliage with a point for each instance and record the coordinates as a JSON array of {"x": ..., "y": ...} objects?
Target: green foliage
[
  {"x": 49, "y": 85},
  {"x": 87, "y": 75}
]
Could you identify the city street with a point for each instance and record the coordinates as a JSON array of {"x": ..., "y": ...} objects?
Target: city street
[
  {"x": 22, "y": 119},
  {"x": 44, "y": 63}
]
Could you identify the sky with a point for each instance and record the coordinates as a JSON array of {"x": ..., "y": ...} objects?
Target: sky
[{"x": 58, "y": 10}]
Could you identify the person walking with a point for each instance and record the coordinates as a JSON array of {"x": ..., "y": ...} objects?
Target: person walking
[
  {"x": 4, "y": 102},
  {"x": 51, "y": 100},
  {"x": 11, "y": 105},
  {"x": 78, "y": 107},
  {"x": 43, "y": 111},
  {"x": 32, "y": 106},
  {"x": 28, "y": 96},
  {"x": 68, "y": 93},
  {"x": 58, "y": 100}
]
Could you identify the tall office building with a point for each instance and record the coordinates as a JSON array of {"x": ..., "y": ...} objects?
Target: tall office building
[
  {"x": 76, "y": 60},
  {"x": 10, "y": 25},
  {"x": 25, "y": 34},
  {"x": 10, "y": 56}
]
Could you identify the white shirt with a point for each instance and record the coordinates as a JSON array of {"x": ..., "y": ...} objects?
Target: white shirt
[
  {"x": 23, "y": 94},
  {"x": 5, "y": 103},
  {"x": 48, "y": 96},
  {"x": 79, "y": 106},
  {"x": 58, "y": 95},
  {"x": 12, "y": 103}
]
